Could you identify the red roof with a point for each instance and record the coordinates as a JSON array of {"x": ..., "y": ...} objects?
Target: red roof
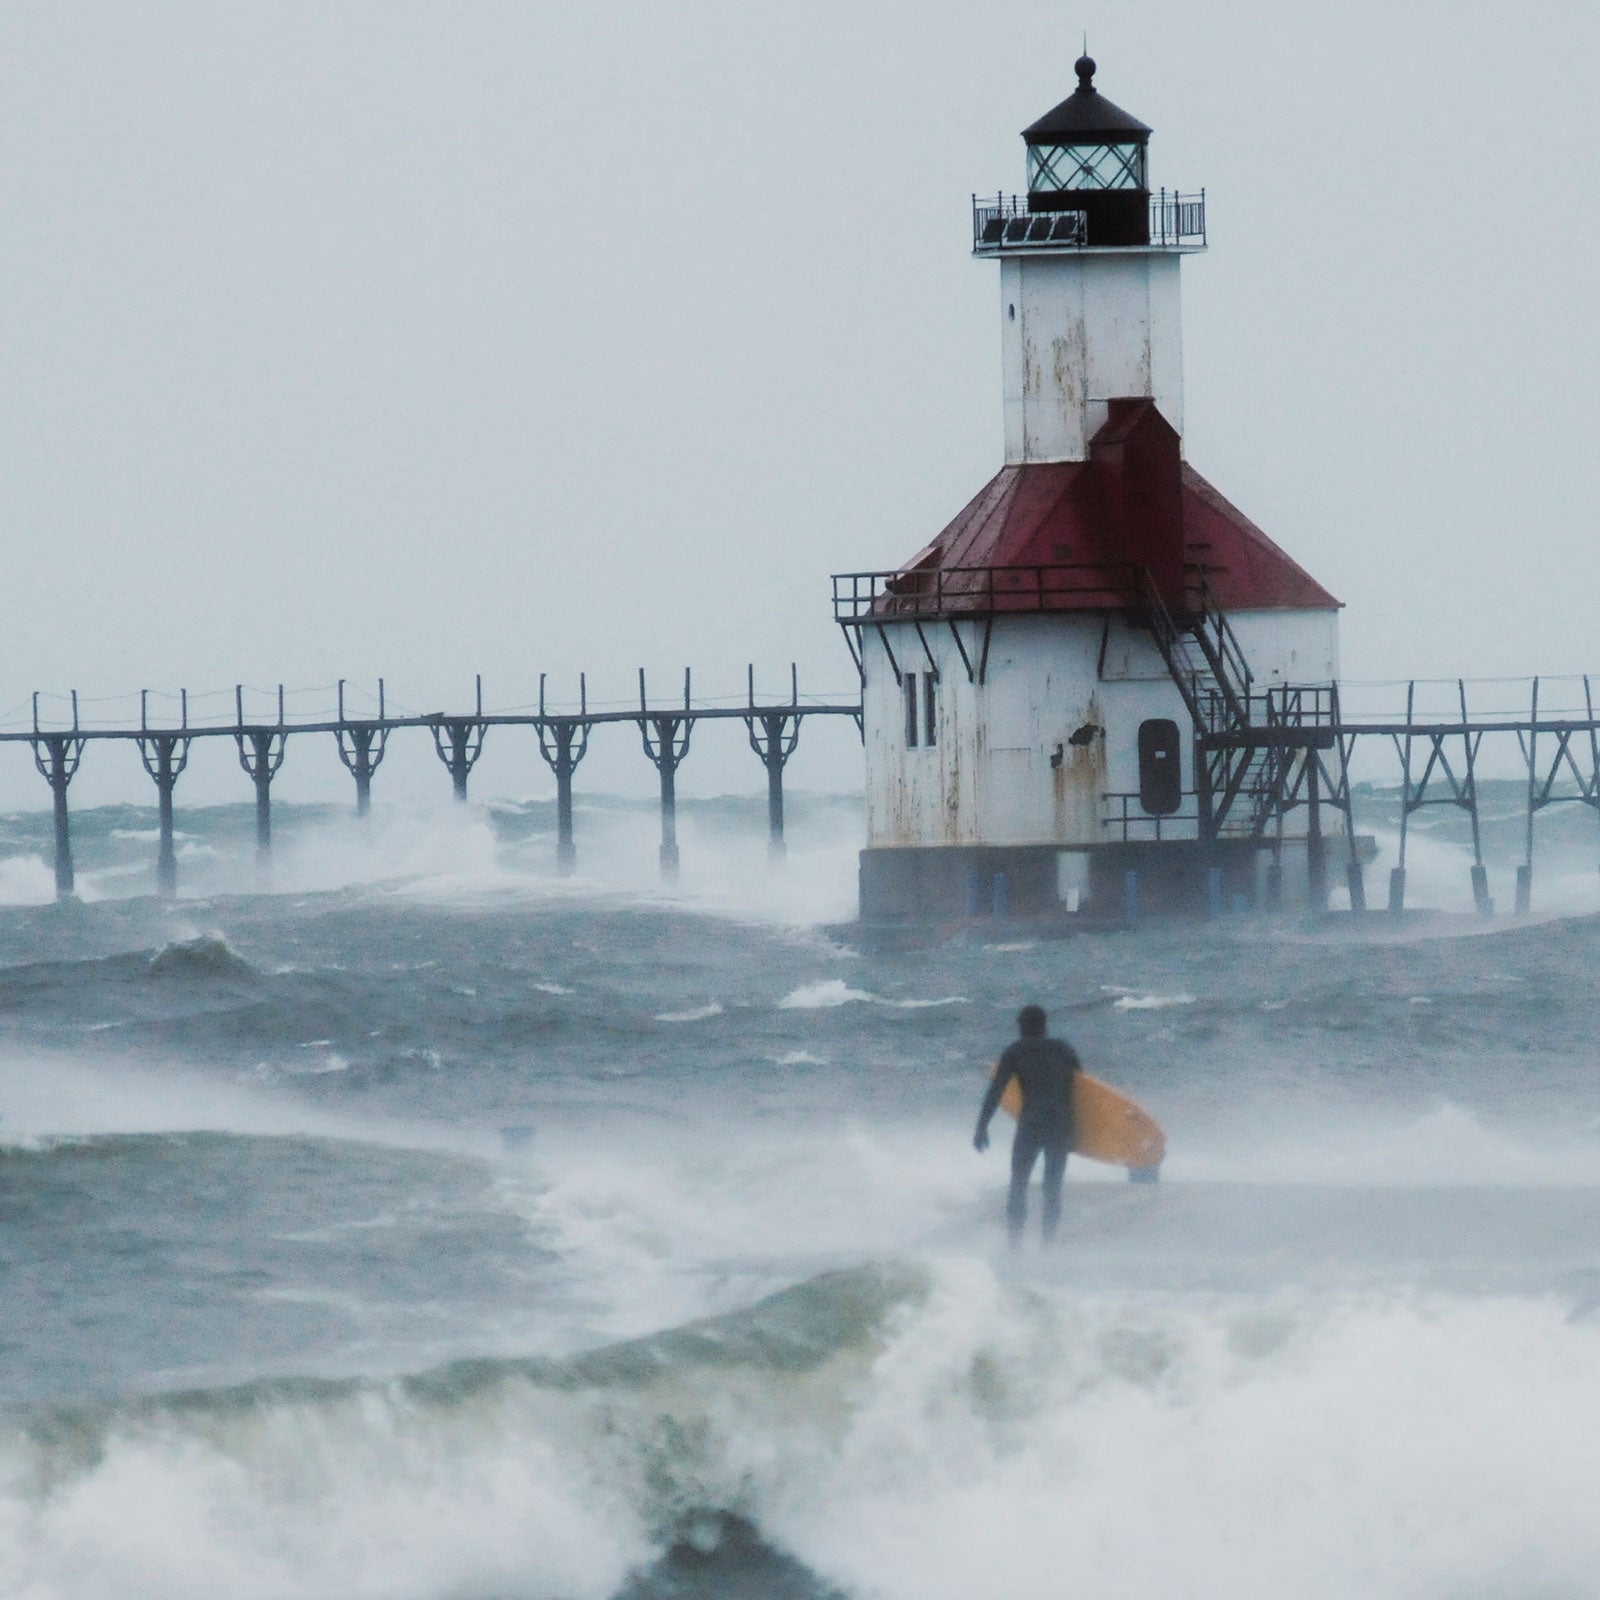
[{"x": 1067, "y": 513}]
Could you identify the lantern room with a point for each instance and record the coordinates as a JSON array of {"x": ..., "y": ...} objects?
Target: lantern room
[{"x": 1089, "y": 156}]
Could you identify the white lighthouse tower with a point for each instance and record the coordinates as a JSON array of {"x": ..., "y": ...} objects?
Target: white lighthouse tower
[{"x": 1061, "y": 688}]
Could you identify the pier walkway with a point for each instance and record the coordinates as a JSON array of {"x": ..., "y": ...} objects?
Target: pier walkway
[{"x": 665, "y": 729}]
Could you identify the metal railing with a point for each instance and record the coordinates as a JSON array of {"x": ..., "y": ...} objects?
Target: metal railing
[
  {"x": 865, "y": 597},
  {"x": 1004, "y": 222},
  {"x": 1126, "y": 816},
  {"x": 1177, "y": 219}
]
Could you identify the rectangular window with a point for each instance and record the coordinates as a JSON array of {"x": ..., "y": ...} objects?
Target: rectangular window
[
  {"x": 930, "y": 710},
  {"x": 909, "y": 685}
]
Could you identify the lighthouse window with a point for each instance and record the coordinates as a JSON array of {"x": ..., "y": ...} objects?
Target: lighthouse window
[
  {"x": 922, "y": 724},
  {"x": 1053, "y": 167}
]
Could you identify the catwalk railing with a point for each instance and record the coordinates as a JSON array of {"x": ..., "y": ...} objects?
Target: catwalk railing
[{"x": 165, "y": 739}]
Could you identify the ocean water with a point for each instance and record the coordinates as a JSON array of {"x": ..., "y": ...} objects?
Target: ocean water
[{"x": 409, "y": 1224}]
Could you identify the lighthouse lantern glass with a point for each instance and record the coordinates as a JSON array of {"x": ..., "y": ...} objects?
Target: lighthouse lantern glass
[{"x": 1055, "y": 167}]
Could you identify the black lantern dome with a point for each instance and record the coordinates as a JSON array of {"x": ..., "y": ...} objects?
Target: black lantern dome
[{"x": 1090, "y": 156}]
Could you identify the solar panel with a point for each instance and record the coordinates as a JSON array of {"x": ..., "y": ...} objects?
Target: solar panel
[
  {"x": 1017, "y": 230},
  {"x": 1039, "y": 230},
  {"x": 1068, "y": 228},
  {"x": 993, "y": 227}
]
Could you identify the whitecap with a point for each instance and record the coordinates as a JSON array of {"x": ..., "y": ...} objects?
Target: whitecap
[
  {"x": 832, "y": 992},
  {"x": 698, "y": 1014},
  {"x": 1151, "y": 1002},
  {"x": 822, "y": 996}
]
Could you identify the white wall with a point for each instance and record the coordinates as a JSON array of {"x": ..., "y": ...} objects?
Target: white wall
[
  {"x": 988, "y": 778},
  {"x": 1289, "y": 646},
  {"x": 1078, "y": 329}
]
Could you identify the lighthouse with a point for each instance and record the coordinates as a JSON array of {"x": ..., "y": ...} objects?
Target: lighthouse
[{"x": 1098, "y": 678}]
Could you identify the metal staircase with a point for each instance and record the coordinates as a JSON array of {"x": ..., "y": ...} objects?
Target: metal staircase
[{"x": 1239, "y": 781}]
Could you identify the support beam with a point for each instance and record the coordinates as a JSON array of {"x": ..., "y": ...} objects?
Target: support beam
[
  {"x": 164, "y": 755},
  {"x": 774, "y": 743},
  {"x": 459, "y": 742},
  {"x": 1470, "y": 742},
  {"x": 1316, "y": 856},
  {"x": 564, "y": 742},
  {"x": 261, "y": 752},
  {"x": 1397, "y": 877},
  {"x": 665, "y": 736},
  {"x": 1530, "y": 748},
  {"x": 361, "y": 747},
  {"x": 57, "y": 755}
]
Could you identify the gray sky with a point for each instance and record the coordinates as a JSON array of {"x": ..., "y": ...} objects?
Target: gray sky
[{"x": 347, "y": 339}]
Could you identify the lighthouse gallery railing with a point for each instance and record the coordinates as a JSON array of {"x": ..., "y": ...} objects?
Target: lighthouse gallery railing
[
  {"x": 1002, "y": 222},
  {"x": 862, "y": 598}
]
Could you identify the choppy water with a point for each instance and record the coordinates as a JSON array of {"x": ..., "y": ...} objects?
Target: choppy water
[{"x": 419, "y": 1226}]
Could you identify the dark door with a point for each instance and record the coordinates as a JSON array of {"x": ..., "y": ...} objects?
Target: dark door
[{"x": 1160, "y": 770}]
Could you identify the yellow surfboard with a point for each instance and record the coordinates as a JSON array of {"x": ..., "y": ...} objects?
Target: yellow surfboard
[{"x": 1109, "y": 1126}]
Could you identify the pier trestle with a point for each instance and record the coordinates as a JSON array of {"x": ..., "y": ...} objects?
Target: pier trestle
[
  {"x": 261, "y": 752},
  {"x": 564, "y": 742},
  {"x": 361, "y": 747},
  {"x": 665, "y": 736},
  {"x": 57, "y": 755},
  {"x": 164, "y": 754},
  {"x": 459, "y": 742},
  {"x": 774, "y": 743}
]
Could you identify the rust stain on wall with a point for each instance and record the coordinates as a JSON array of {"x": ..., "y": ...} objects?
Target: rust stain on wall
[{"x": 1078, "y": 782}]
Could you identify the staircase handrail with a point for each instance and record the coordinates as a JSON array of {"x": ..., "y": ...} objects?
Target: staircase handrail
[
  {"x": 1168, "y": 636},
  {"x": 1224, "y": 652}
]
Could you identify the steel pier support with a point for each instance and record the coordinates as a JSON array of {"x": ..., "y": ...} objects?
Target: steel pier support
[
  {"x": 1530, "y": 749},
  {"x": 260, "y": 758},
  {"x": 465, "y": 736},
  {"x": 775, "y": 743},
  {"x": 666, "y": 742},
  {"x": 361, "y": 747},
  {"x": 1397, "y": 873},
  {"x": 57, "y": 755},
  {"x": 1316, "y": 850},
  {"x": 564, "y": 742},
  {"x": 164, "y": 755},
  {"x": 1470, "y": 743}
]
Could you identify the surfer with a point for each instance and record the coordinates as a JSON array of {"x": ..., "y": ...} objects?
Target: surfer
[{"x": 1044, "y": 1069}]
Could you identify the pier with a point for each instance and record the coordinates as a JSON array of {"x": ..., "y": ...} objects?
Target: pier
[
  {"x": 1271, "y": 766},
  {"x": 665, "y": 728}
]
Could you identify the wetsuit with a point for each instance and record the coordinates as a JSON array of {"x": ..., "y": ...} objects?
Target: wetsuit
[{"x": 1044, "y": 1068}]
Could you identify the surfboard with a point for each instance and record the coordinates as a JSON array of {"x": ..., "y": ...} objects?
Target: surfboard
[{"x": 1109, "y": 1126}]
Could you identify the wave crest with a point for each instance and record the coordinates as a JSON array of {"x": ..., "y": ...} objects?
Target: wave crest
[{"x": 207, "y": 955}]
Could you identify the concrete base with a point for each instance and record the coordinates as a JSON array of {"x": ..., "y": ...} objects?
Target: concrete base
[
  {"x": 945, "y": 882},
  {"x": 941, "y": 882},
  {"x": 1173, "y": 876}
]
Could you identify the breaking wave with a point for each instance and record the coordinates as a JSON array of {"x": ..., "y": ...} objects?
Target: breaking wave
[{"x": 924, "y": 1433}]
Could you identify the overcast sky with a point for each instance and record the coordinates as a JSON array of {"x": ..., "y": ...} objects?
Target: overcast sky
[{"x": 348, "y": 339}]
